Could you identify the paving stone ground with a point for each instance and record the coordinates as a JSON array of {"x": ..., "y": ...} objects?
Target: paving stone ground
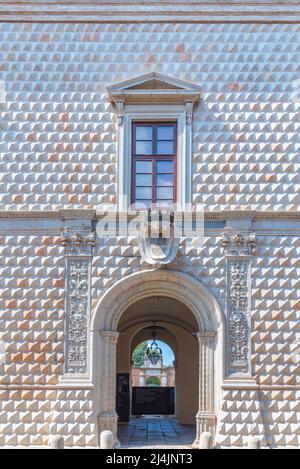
[{"x": 156, "y": 432}]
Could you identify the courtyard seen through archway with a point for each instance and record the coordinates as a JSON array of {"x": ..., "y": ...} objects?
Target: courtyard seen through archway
[
  {"x": 156, "y": 399},
  {"x": 152, "y": 376}
]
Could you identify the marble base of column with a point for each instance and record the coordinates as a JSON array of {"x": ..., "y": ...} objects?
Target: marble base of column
[
  {"x": 205, "y": 422},
  {"x": 109, "y": 421}
]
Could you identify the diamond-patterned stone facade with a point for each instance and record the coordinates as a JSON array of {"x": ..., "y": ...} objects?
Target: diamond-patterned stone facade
[
  {"x": 32, "y": 326},
  {"x": 59, "y": 150},
  {"x": 59, "y": 131}
]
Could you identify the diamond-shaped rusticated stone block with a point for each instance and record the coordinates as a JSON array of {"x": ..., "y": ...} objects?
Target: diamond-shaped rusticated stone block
[
  {"x": 272, "y": 416},
  {"x": 74, "y": 418},
  {"x": 240, "y": 417},
  {"x": 59, "y": 131},
  {"x": 25, "y": 417},
  {"x": 275, "y": 303}
]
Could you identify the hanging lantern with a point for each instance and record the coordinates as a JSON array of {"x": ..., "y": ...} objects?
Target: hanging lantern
[{"x": 154, "y": 352}]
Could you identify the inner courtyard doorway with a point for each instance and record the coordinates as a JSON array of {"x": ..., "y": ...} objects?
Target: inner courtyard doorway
[
  {"x": 152, "y": 387},
  {"x": 153, "y": 376},
  {"x": 193, "y": 326}
]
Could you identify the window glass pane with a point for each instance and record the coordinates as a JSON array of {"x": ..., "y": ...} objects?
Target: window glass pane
[
  {"x": 164, "y": 180},
  {"x": 164, "y": 192},
  {"x": 143, "y": 180},
  {"x": 165, "y": 147},
  {"x": 165, "y": 203},
  {"x": 142, "y": 204},
  {"x": 143, "y": 193},
  {"x": 143, "y": 133},
  {"x": 165, "y": 133},
  {"x": 143, "y": 148},
  {"x": 164, "y": 166},
  {"x": 143, "y": 167}
]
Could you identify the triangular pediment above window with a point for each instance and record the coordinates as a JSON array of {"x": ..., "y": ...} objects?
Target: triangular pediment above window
[
  {"x": 154, "y": 88},
  {"x": 154, "y": 84}
]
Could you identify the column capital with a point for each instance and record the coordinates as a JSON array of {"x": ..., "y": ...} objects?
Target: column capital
[
  {"x": 77, "y": 242},
  {"x": 110, "y": 337},
  {"x": 207, "y": 336},
  {"x": 238, "y": 244}
]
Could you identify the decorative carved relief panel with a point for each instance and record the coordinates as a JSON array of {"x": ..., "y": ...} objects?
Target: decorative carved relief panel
[
  {"x": 238, "y": 323},
  {"x": 239, "y": 315},
  {"x": 77, "y": 316},
  {"x": 78, "y": 250}
]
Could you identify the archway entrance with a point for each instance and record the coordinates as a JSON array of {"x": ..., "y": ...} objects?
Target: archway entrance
[
  {"x": 179, "y": 304},
  {"x": 177, "y": 327},
  {"x": 152, "y": 376},
  {"x": 172, "y": 323}
]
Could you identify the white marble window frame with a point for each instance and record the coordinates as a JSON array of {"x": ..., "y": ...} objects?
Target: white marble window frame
[{"x": 153, "y": 112}]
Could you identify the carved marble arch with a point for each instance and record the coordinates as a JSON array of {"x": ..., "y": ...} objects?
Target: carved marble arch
[
  {"x": 104, "y": 329},
  {"x": 155, "y": 282}
]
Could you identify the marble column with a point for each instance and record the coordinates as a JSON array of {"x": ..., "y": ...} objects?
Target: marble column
[
  {"x": 205, "y": 418},
  {"x": 108, "y": 418}
]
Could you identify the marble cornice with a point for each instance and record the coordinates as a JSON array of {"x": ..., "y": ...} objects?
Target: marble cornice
[
  {"x": 116, "y": 11},
  {"x": 73, "y": 214}
]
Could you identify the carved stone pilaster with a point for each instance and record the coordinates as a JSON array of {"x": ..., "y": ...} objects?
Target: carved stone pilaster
[
  {"x": 205, "y": 418},
  {"x": 108, "y": 418},
  {"x": 189, "y": 107},
  {"x": 78, "y": 246},
  {"x": 239, "y": 315},
  {"x": 238, "y": 322},
  {"x": 77, "y": 316}
]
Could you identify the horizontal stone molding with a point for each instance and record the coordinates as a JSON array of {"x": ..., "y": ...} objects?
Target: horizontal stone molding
[
  {"x": 142, "y": 11},
  {"x": 73, "y": 214}
]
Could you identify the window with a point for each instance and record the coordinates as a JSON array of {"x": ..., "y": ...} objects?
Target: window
[
  {"x": 163, "y": 107},
  {"x": 154, "y": 153}
]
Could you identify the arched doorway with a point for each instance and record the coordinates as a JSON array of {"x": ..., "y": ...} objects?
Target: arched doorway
[
  {"x": 152, "y": 375},
  {"x": 119, "y": 313},
  {"x": 146, "y": 384},
  {"x": 175, "y": 325}
]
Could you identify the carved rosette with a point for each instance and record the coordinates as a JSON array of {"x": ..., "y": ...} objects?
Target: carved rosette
[
  {"x": 77, "y": 317},
  {"x": 238, "y": 253}
]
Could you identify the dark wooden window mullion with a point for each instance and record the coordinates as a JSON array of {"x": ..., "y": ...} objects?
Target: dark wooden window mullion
[
  {"x": 154, "y": 198},
  {"x": 154, "y": 158}
]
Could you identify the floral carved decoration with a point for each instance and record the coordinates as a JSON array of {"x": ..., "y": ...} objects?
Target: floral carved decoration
[
  {"x": 77, "y": 317},
  {"x": 238, "y": 317}
]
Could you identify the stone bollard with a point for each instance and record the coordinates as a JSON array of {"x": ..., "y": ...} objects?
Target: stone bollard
[
  {"x": 56, "y": 442},
  {"x": 205, "y": 440},
  {"x": 107, "y": 440},
  {"x": 254, "y": 442}
]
